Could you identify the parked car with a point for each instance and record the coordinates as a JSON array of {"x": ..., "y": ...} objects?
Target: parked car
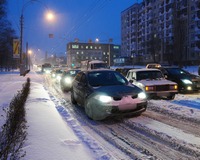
[
  {"x": 186, "y": 81},
  {"x": 67, "y": 79},
  {"x": 104, "y": 93},
  {"x": 153, "y": 82}
]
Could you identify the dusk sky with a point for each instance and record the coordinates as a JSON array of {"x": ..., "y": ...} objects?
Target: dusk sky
[{"x": 82, "y": 19}]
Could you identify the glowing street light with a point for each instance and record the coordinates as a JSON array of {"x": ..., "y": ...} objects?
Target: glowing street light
[{"x": 50, "y": 16}]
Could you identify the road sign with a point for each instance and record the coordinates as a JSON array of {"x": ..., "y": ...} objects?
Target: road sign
[{"x": 16, "y": 45}]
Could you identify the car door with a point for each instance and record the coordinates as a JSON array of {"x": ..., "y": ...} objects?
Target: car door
[{"x": 83, "y": 87}]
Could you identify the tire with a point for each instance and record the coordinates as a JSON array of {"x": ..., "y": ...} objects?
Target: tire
[
  {"x": 171, "y": 97},
  {"x": 72, "y": 98}
]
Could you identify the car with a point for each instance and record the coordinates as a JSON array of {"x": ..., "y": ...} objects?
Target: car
[
  {"x": 46, "y": 68},
  {"x": 123, "y": 71},
  {"x": 153, "y": 82},
  {"x": 67, "y": 79},
  {"x": 56, "y": 73},
  {"x": 186, "y": 81},
  {"x": 105, "y": 93}
]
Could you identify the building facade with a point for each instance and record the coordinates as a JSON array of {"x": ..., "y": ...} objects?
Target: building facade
[
  {"x": 164, "y": 31},
  {"x": 77, "y": 52}
]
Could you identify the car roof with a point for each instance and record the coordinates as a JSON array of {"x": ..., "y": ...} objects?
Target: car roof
[
  {"x": 144, "y": 69},
  {"x": 100, "y": 70}
]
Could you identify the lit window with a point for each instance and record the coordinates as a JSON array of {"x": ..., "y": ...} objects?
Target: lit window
[
  {"x": 86, "y": 47},
  {"x": 91, "y": 47}
]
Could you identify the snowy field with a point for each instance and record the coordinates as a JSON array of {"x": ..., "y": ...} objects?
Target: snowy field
[{"x": 59, "y": 130}]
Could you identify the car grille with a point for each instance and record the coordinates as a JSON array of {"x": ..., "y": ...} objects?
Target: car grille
[
  {"x": 162, "y": 88},
  {"x": 118, "y": 98}
]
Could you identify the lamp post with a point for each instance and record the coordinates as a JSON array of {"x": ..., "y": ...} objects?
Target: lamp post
[
  {"x": 29, "y": 58},
  {"x": 50, "y": 16}
]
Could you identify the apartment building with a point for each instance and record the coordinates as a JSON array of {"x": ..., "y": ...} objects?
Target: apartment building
[
  {"x": 78, "y": 51},
  {"x": 164, "y": 31}
]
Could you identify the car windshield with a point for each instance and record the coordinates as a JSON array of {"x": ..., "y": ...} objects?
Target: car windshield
[
  {"x": 106, "y": 78},
  {"x": 149, "y": 75},
  {"x": 177, "y": 71},
  {"x": 98, "y": 65},
  {"x": 72, "y": 73}
]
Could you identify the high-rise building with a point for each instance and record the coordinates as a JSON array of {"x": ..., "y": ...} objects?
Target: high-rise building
[{"x": 164, "y": 31}]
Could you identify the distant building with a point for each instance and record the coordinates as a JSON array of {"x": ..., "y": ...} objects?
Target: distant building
[
  {"x": 77, "y": 52},
  {"x": 162, "y": 31}
]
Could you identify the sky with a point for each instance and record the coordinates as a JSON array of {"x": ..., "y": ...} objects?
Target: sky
[
  {"x": 54, "y": 133},
  {"x": 88, "y": 19}
]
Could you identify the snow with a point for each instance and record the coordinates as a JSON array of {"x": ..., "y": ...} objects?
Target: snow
[{"x": 53, "y": 133}]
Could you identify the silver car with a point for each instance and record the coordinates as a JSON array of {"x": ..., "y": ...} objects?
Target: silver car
[
  {"x": 105, "y": 93},
  {"x": 153, "y": 82}
]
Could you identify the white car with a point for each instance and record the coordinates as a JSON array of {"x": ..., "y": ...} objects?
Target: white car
[{"x": 153, "y": 82}]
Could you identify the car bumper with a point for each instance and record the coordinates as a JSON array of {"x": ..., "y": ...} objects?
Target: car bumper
[
  {"x": 102, "y": 111},
  {"x": 161, "y": 94}
]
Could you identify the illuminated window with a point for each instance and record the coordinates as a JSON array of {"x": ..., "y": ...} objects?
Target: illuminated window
[
  {"x": 86, "y": 47},
  {"x": 82, "y": 52},
  {"x": 91, "y": 47},
  {"x": 77, "y": 52},
  {"x": 75, "y": 46},
  {"x": 116, "y": 47},
  {"x": 99, "y": 47},
  {"x": 104, "y": 53}
]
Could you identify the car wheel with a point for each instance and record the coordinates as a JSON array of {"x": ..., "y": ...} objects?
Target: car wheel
[
  {"x": 72, "y": 98},
  {"x": 171, "y": 97},
  {"x": 88, "y": 110}
]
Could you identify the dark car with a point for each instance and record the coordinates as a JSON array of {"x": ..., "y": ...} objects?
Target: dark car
[
  {"x": 67, "y": 78},
  {"x": 186, "y": 81},
  {"x": 123, "y": 71},
  {"x": 105, "y": 93}
]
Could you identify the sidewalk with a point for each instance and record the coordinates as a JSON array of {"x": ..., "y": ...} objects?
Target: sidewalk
[{"x": 49, "y": 137}]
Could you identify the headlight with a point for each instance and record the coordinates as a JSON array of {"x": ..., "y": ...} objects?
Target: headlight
[
  {"x": 186, "y": 81},
  {"x": 68, "y": 80},
  {"x": 142, "y": 95},
  {"x": 53, "y": 75},
  {"x": 149, "y": 88},
  {"x": 104, "y": 98},
  {"x": 58, "y": 78},
  {"x": 173, "y": 87}
]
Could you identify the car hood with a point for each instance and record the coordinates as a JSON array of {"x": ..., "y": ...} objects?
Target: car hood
[
  {"x": 153, "y": 82},
  {"x": 118, "y": 90},
  {"x": 186, "y": 76}
]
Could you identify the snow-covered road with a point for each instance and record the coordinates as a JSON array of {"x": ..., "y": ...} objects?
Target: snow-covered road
[{"x": 167, "y": 130}]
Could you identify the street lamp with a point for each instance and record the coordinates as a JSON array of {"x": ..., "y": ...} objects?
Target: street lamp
[
  {"x": 29, "y": 58},
  {"x": 50, "y": 16}
]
